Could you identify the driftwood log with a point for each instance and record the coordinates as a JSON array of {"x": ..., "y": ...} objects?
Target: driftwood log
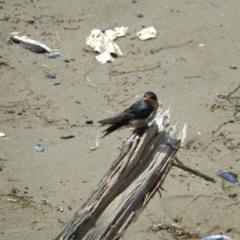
[{"x": 134, "y": 178}]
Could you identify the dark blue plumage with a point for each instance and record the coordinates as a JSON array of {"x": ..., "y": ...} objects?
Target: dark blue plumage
[{"x": 138, "y": 115}]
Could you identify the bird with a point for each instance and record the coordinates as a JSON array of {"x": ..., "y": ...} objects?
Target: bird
[{"x": 138, "y": 115}]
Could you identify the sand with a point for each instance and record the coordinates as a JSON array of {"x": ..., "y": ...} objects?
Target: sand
[{"x": 193, "y": 59}]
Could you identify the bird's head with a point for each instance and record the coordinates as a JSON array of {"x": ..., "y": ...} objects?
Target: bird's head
[{"x": 150, "y": 98}]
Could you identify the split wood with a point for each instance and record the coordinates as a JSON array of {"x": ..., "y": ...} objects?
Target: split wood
[{"x": 135, "y": 176}]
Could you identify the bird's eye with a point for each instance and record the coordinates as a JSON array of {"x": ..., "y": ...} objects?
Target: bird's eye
[{"x": 153, "y": 97}]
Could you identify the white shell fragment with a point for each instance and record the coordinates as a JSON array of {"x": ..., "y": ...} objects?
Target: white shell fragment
[
  {"x": 31, "y": 44},
  {"x": 217, "y": 237},
  {"x": 96, "y": 40},
  {"x": 113, "y": 48},
  {"x": 14, "y": 33},
  {"x": 100, "y": 42},
  {"x": 104, "y": 58},
  {"x": 121, "y": 32},
  {"x": 147, "y": 33},
  {"x": 103, "y": 42},
  {"x": 118, "y": 32},
  {"x": 2, "y": 134}
]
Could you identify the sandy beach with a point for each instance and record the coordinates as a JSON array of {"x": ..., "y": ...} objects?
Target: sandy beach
[{"x": 192, "y": 66}]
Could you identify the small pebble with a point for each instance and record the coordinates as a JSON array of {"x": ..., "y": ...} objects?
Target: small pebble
[
  {"x": 139, "y": 15},
  {"x": 233, "y": 67},
  {"x": 39, "y": 148},
  {"x": 54, "y": 55},
  {"x": 228, "y": 176},
  {"x": 89, "y": 122},
  {"x": 69, "y": 208},
  {"x": 51, "y": 76}
]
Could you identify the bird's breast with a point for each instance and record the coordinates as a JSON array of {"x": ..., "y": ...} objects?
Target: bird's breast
[{"x": 137, "y": 123}]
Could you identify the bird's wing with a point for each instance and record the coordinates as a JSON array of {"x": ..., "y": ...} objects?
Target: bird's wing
[
  {"x": 137, "y": 111},
  {"x": 140, "y": 110}
]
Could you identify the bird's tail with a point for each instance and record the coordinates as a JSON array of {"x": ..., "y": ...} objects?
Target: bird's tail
[{"x": 111, "y": 129}]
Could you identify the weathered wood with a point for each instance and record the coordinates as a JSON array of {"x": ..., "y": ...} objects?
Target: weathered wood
[{"x": 133, "y": 179}]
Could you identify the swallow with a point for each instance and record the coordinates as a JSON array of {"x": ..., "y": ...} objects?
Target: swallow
[{"x": 138, "y": 115}]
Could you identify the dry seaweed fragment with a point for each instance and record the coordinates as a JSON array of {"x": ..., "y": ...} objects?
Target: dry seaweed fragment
[
  {"x": 230, "y": 103},
  {"x": 176, "y": 231}
]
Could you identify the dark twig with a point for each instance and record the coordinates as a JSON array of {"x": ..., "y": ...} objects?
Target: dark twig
[
  {"x": 175, "y": 46},
  {"x": 193, "y": 77},
  {"x": 185, "y": 168},
  {"x": 229, "y": 95},
  {"x": 114, "y": 73},
  {"x": 67, "y": 28}
]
